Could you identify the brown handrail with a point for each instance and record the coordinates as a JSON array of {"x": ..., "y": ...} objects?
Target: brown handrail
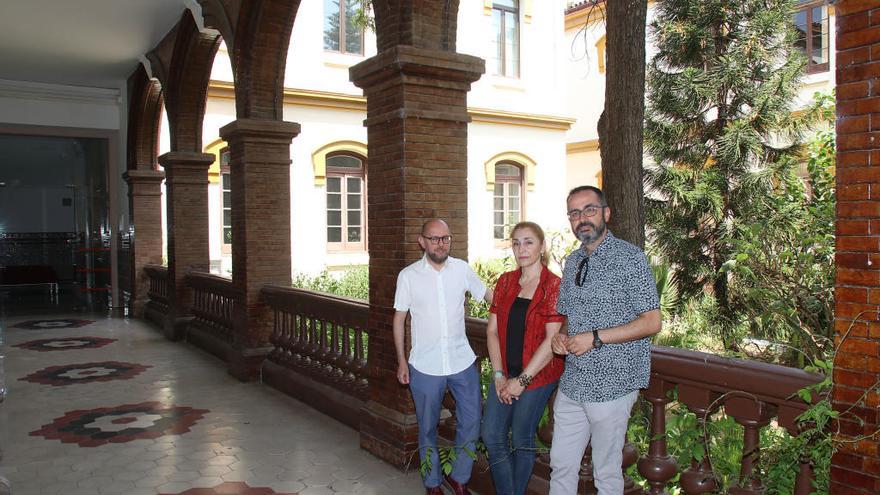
[
  {"x": 158, "y": 292},
  {"x": 318, "y": 335},
  {"x": 752, "y": 392},
  {"x": 322, "y": 336}
]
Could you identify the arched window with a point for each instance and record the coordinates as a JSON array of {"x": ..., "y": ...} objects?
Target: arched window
[
  {"x": 507, "y": 199},
  {"x": 226, "y": 187},
  {"x": 346, "y": 201}
]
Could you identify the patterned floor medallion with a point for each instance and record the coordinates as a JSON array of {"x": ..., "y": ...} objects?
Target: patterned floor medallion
[
  {"x": 120, "y": 424},
  {"x": 231, "y": 488},
  {"x": 63, "y": 344},
  {"x": 52, "y": 324},
  {"x": 68, "y": 374}
]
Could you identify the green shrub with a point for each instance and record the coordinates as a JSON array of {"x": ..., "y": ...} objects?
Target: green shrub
[{"x": 353, "y": 282}]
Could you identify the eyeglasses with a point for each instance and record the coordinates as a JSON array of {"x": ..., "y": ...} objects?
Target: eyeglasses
[
  {"x": 588, "y": 211},
  {"x": 583, "y": 269},
  {"x": 445, "y": 239}
]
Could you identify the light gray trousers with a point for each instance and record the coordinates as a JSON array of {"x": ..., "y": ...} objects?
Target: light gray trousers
[{"x": 577, "y": 424}]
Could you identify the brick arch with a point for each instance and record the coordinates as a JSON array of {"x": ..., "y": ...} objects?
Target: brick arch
[
  {"x": 257, "y": 34},
  {"x": 428, "y": 24},
  {"x": 144, "y": 117},
  {"x": 182, "y": 62}
]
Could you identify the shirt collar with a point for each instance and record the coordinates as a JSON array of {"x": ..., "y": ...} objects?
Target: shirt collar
[{"x": 425, "y": 265}]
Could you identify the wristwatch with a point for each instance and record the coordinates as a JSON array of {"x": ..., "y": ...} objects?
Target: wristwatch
[
  {"x": 597, "y": 342},
  {"x": 499, "y": 374}
]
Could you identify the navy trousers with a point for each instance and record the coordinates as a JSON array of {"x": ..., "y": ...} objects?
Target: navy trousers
[{"x": 427, "y": 392}]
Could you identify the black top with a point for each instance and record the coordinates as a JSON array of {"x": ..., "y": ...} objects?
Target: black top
[{"x": 516, "y": 331}]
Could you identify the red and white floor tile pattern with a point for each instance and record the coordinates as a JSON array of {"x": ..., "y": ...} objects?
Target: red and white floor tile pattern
[
  {"x": 181, "y": 425},
  {"x": 65, "y": 344}
]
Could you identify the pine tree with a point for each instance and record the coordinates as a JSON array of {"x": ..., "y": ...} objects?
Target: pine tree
[{"x": 720, "y": 130}]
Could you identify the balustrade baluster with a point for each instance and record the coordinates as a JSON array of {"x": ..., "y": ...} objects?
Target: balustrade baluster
[
  {"x": 787, "y": 418},
  {"x": 289, "y": 339},
  {"x": 753, "y": 415},
  {"x": 360, "y": 355},
  {"x": 315, "y": 346},
  {"x": 336, "y": 351},
  {"x": 284, "y": 338},
  {"x": 360, "y": 363},
  {"x": 658, "y": 467},
  {"x": 699, "y": 477},
  {"x": 275, "y": 337},
  {"x": 301, "y": 341},
  {"x": 348, "y": 354},
  {"x": 325, "y": 369},
  {"x": 630, "y": 457}
]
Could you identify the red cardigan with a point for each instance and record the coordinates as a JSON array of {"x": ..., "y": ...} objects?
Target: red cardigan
[{"x": 541, "y": 311}]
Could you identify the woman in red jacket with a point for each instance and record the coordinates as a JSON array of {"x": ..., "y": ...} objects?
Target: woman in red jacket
[{"x": 522, "y": 323}]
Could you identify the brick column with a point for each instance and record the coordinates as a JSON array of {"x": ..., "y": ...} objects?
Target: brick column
[
  {"x": 260, "y": 174},
  {"x": 145, "y": 207},
  {"x": 417, "y": 169},
  {"x": 856, "y": 466},
  {"x": 187, "y": 199}
]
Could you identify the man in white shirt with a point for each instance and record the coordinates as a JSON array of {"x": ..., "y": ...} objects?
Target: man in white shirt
[{"x": 432, "y": 290}]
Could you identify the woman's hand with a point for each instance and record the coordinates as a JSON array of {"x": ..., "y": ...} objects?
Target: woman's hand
[
  {"x": 500, "y": 386},
  {"x": 512, "y": 390}
]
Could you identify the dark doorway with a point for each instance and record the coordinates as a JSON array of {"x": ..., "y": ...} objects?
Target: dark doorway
[{"x": 54, "y": 230}]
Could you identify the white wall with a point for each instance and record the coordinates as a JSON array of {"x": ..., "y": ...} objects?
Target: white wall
[
  {"x": 308, "y": 202},
  {"x": 540, "y": 89},
  {"x": 39, "y": 104},
  {"x": 544, "y": 205}
]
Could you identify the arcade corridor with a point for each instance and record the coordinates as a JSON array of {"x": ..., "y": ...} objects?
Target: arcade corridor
[{"x": 109, "y": 406}]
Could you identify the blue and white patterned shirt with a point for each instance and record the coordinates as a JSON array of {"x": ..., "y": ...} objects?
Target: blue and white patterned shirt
[{"x": 617, "y": 287}]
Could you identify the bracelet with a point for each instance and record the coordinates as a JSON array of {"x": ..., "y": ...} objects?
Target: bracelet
[
  {"x": 499, "y": 374},
  {"x": 524, "y": 380}
]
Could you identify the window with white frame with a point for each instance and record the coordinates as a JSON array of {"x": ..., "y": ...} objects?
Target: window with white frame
[
  {"x": 811, "y": 24},
  {"x": 346, "y": 202},
  {"x": 505, "y": 37},
  {"x": 508, "y": 199},
  {"x": 226, "y": 186},
  {"x": 341, "y": 34}
]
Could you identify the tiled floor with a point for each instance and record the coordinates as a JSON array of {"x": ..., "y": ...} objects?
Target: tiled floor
[{"x": 141, "y": 415}]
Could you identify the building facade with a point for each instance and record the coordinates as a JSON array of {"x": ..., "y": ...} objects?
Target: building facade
[{"x": 516, "y": 138}]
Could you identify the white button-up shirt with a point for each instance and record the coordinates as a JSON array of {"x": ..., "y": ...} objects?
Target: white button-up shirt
[{"x": 435, "y": 301}]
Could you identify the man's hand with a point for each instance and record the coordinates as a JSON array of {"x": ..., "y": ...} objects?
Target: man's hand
[
  {"x": 580, "y": 344},
  {"x": 403, "y": 373},
  {"x": 558, "y": 344}
]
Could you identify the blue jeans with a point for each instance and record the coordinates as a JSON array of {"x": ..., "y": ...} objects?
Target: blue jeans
[
  {"x": 509, "y": 434},
  {"x": 428, "y": 392}
]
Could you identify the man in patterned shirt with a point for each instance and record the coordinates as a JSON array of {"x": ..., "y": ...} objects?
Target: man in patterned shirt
[{"x": 610, "y": 301}]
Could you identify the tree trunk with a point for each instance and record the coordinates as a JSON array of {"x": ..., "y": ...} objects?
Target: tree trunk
[{"x": 622, "y": 122}]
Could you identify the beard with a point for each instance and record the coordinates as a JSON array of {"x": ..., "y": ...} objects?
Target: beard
[
  {"x": 591, "y": 236},
  {"x": 439, "y": 259}
]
